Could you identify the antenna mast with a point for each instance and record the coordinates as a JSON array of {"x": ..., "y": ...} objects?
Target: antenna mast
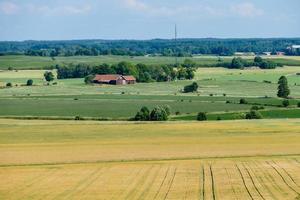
[{"x": 176, "y": 60}]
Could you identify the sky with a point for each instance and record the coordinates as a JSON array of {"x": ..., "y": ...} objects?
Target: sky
[{"x": 147, "y": 19}]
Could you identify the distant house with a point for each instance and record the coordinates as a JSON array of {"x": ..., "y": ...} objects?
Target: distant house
[
  {"x": 280, "y": 53},
  {"x": 114, "y": 79}
]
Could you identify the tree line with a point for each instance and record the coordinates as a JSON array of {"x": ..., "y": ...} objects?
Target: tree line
[
  {"x": 142, "y": 72},
  {"x": 240, "y": 63},
  {"x": 165, "y": 47}
]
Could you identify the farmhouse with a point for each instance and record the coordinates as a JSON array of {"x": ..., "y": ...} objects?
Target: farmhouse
[{"x": 114, "y": 79}]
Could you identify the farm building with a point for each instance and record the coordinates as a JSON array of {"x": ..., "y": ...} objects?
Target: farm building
[{"x": 114, "y": 79}]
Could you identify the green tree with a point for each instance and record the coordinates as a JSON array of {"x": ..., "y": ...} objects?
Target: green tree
[
  {"x": 285, "y": 103},
  {"x": 191, "y": 88},
  {"x": 8, "y": 84},
  {"x": 89, "y": 79},
  {"x": 298, "y": 104},
  {"x": 237, "y": 63},
  {"x": 48, "y": 76},
  {"x": 190, "y": 73},
  {"x": 243, "y": 101},
  {"x": 201, "y": 116},
  {"x": 29, "y": 82},
  {"x": 283, "y": 88},
  {"x": 143, "y": 114},
  {"x": 158, "y": 114},
  {"x": 258, "y": 59},
  {"x": 254, "y": 114}
]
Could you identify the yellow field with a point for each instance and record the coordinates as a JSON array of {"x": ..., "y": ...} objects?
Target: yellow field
[{"x": 97, "y": 160}]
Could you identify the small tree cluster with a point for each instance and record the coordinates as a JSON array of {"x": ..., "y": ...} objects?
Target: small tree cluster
[
  {"x": 48, "y": 76},
  {"x": 159, "y": 113},
  {"x": 254, "y": 114},
  {"x": 191, "y": 88},
  {"x": 201, "y": 116}
]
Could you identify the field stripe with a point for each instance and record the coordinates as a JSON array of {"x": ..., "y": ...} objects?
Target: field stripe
[
  {"x": 140, "y": 183},
  {"x": 286, "y": 173},
  {"x": 171, "y": 183},
  {"x": 212, "y": 183},
  {"x": 162, "y": 183},
  {"x": 231, "y": 183},
  {"x": 265, "y": 177},
  {"x": 255, "y": 186},
  {"x": 203, "y": 183},
  {"x": 244, "y": 182},
  {"x": 146, "y": 191},
  {"x": 283, "y": 178}
]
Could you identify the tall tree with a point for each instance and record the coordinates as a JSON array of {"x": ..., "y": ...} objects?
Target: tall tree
[{"x": 283, "y": 88}]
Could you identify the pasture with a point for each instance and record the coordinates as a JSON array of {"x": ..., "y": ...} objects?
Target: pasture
[
  {"x": 175, "y": 160},
  {"x": 37, "y": 62},
  {"x": 72, "y": 97}
]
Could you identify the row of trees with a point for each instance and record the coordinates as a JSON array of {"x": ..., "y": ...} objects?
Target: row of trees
[
  {"x": 240, "y": 63},
  {"x": 183, "y": 47},
  {"x": 142, "y": 72}
]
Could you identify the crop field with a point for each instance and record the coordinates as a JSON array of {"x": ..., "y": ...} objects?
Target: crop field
[
  {"x": 37, "y": 62},
  {"x": 175, "y": 160}
]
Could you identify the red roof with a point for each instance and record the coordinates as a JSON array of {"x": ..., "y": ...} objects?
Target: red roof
[
  {"x": 112, "y": 77},
  {"x": 107, "y": 77},
  {"x": 129, "y": 78}
]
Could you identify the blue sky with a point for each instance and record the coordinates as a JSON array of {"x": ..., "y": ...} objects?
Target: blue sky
[{"x": 147, "y": 19}]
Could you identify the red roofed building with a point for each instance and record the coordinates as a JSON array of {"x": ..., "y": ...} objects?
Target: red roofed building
[{"x": 114, "y": 79}]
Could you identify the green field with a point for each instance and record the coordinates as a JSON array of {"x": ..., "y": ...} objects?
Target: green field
[
  {"x": 71, "y": 97},
  {"x": 36, "y": 62},
  {"x": 174, "y": 160}
]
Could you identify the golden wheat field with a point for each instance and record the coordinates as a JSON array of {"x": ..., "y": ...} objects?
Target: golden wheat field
[{"x": 174, "y": 160}]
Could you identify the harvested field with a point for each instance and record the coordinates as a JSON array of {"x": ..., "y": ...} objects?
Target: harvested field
[
  {"x": 224, "y": 179},
  {"x": 175, "y": 160}
]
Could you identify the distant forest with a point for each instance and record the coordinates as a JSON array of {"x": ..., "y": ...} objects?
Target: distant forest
[{"x": 164, "y": 47}]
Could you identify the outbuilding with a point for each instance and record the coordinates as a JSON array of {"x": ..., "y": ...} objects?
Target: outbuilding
[{"x": 114, "y": 79}]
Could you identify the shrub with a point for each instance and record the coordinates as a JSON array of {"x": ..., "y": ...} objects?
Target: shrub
[
  {"x": 228, "y": 101},
  {"x": 158, "y": 114},
  {"x": 224, "y": 95},
  {"x": 253, "y": 114},
  {"x": 201, "y": 116},
  {"x": 243, "y": 101},
  {"x": 254, "y": 108},
  {"x": 285, "y": 103},
  {"x": 77, "y": 118},
  {"x": 191, "y": 88},
  {"x": 29, "y": 82},
  {"x": 10, "y": 68},
  {"x": 177, "y": 113},
  {"x": 298, "y": 104},
  {"x": 8, "y": 84}
]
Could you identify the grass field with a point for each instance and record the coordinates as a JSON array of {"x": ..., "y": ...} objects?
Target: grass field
[
  {"x": 71, "y": 97},
  {"x": 93, "y": 160},
  {"x": 36, "y": 62}
]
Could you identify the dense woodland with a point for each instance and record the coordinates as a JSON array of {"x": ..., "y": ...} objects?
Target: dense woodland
[{"x": 183, "y": 47}]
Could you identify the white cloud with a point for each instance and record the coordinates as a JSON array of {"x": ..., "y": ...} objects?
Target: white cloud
[
  {"x": 159, "y": 10},
  {"x": 9, "y": 8},
  {"x": 246, "y": 10},
  {"x": 59, "y": 10}
]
